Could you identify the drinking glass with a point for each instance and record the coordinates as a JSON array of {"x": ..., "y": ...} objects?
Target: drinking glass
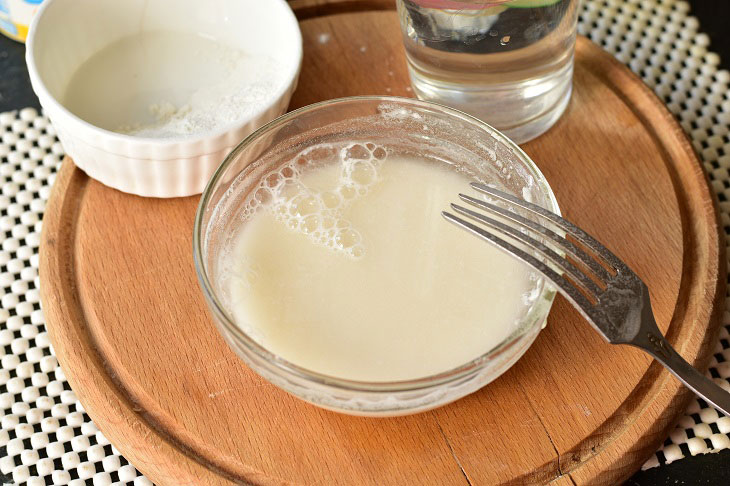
[{"x": 507, "y": 62}]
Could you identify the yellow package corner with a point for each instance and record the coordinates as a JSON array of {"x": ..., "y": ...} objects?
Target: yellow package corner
[{"x": 20, "y": 35}]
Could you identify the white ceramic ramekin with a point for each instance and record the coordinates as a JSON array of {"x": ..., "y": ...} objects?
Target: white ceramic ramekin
[{"x": 65, "y": 33}]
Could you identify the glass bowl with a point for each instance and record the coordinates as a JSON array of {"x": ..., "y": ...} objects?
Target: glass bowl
[{"x": 399, "y": 124}]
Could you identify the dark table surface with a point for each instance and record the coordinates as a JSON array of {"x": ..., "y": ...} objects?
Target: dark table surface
[{"x": 709, "y": 469}]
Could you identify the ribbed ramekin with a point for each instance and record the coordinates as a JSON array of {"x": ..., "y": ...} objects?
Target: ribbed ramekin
[{"x": 65, "y": 33}]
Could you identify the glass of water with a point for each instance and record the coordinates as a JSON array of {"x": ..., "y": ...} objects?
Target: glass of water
[{"x": 507, "y": 62}]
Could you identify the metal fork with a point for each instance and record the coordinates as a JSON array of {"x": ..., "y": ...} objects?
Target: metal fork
[{"x": 613, "y": 299}]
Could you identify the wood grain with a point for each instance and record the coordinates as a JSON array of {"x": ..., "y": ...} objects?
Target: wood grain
[{"x": 133, "y": 335}]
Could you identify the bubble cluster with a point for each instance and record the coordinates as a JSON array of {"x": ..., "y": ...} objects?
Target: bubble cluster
[{"x": 319, "y": 213}]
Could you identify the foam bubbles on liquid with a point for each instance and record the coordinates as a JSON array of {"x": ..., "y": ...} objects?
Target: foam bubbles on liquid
[{"x": 318, "y": 213}]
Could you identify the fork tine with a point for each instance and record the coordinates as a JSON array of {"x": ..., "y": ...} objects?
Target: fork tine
[
  {"x": 612, "y": 260},
  {"x": 597, "y": 269},
  {"x": 570, "y": 292},
  {"x": 584, "y": 282}
]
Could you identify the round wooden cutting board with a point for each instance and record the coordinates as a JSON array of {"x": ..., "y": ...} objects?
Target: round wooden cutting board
[{"x": 133, "y": 335}]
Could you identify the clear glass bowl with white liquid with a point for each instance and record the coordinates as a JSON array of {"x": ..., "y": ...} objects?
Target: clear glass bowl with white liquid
[{"x": 389, "y": 128}]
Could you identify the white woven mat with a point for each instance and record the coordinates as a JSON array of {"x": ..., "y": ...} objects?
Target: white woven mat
[{"x": 46, "y": 438}]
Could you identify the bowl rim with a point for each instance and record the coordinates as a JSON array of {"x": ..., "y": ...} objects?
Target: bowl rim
[
  {"x": 537, "y": 313},
  {"x": 289, "y": 77}
]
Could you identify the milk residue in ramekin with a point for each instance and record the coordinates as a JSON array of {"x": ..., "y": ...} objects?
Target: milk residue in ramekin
[{"x": 167, "y": 84}]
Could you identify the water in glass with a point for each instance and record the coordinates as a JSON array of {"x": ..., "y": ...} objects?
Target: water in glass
[{"x": 508, "y": 62}]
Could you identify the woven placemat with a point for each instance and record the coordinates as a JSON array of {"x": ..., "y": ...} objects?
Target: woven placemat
[{"x": 46, "y": 438}]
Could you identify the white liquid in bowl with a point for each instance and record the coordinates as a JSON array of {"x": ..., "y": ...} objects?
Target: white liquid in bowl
[
  {"x": 348, "y": 269},
  {"x": 164, "y": 84}
]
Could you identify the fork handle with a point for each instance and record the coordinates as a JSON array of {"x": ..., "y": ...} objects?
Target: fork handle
[{"x": 654, "y": 343}]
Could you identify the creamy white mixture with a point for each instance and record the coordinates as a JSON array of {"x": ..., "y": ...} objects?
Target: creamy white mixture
[
  {"x": 349, "y": 269},
  {"x": 170, "y": 84}
]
